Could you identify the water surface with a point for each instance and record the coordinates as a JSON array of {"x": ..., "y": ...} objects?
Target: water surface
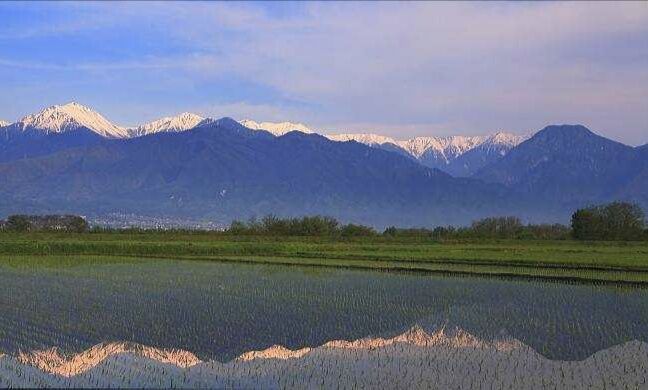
[{"x": 220, "y": 310}]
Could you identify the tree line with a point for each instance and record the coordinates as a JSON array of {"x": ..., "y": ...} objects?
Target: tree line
[
  {"x": 615, "y": 221},
  {"x": 39, "y": 223},
  {"x": 493, "y": 227},
  {"x": 305, "y": 226},
  {"x": 488, "y": 228}
]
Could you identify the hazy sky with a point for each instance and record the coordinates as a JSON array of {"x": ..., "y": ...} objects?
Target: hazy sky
[{"x": 398, "y": 69}]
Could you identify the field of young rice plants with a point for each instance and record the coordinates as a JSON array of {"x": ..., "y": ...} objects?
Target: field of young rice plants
[
  {"x": 221, "y": 310},
  {"x": 565, "y": 260}
]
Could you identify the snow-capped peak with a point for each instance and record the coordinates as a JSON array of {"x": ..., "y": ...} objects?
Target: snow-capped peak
[
  {"x": 451, "y": 146},
  {"x": 501, "y": 138},
  {"x": 444, "y": 149},
  {"x": 367, "y": 139},
  {"x": 72, "y": 116},
  {"x": 182, "y": 122},
  {"x": 501, "y": 142},
  {"x": 276, "y": 128}
]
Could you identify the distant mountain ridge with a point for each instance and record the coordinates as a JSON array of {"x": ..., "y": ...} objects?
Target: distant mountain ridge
[
  {"x": 182, "y": 122},
  {"x": 276, "y": 128},
  {"x": 71, "y": 159},
  {"x": 223, "y": 170},
  {"x": 457, "y": 155},
  {"x": 445, "y": 153},
  {"x": 570, "y": 165}
]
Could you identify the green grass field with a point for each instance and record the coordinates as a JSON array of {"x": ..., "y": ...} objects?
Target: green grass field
[{"x": 594, "y": 261}]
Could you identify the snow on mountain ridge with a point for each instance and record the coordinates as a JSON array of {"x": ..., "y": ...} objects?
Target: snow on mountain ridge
[
  {"x": 444, "y": 152},
  {"x": 502, "y": 142},
  {"x": 449, "y": 146},
  {"x": 367, "y": 139},
  {"x": 182, "y": 122},
  {"x": 69, "y": 117},
  {"x": 437, "y": 152},
  {"x": 506, "y": 138},
  {"x": 276, "y": 128},
  {"x": 417, "y": 146}
]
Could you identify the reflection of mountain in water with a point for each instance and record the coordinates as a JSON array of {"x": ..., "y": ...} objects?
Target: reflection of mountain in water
[
  {"x": 219, "y": 311},
  {"x": 414, "y": 359}
]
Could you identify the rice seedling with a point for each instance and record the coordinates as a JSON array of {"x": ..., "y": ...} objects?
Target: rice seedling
[{"x": 219, "y": 311}]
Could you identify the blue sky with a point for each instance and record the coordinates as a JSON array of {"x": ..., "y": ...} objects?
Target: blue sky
[{"x": 398, "y": 69}]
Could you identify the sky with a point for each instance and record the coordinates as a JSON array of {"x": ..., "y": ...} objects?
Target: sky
[{"x": 397, "y": 69}]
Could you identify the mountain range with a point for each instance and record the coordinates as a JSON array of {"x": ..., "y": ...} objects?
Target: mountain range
[
  {"x": 71, "y": 159},
  {"x": 457, "y": 155}
]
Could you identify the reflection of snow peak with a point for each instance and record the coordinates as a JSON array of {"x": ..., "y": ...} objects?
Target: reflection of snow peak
[
  {"x": 415, "y": 336},
  {"x": 274, "y": 352},
  {"x": 414, "y": 359},
  {"x": 50, "y": 360}
]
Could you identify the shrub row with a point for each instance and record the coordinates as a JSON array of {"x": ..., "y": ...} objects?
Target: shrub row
[{"x": 614, "y": 221}]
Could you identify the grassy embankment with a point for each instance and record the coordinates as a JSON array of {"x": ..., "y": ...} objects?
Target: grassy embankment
[{"x": 571, "y": 260}]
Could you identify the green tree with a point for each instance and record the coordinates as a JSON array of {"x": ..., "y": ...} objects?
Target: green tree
[
  {"x": 353, "y": 230},
  {"x": 18, "y": 223},
  {"x": 76, "y": 224},
  {"x": 390, "y": 231},
  {"x": 497, "y": 227},
  {"x": 237, "y": 227},
  {"x": 623, "y": 221},
  {"x": 613, "y": 221},
  {"x": 587, "y": 224},
  {"x": 275, "y": 226}
]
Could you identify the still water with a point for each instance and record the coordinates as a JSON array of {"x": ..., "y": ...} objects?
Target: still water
[{"x": 220, "y": 310}]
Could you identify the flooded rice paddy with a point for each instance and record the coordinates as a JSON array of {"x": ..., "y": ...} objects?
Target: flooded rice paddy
[{"x": 220, "y": 310}]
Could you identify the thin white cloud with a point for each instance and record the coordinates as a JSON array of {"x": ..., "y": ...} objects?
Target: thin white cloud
[
  {"x": 408, "y": 63},
  {"x": 412, "y": 67},
  {"x": 145, "y": 63}
]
